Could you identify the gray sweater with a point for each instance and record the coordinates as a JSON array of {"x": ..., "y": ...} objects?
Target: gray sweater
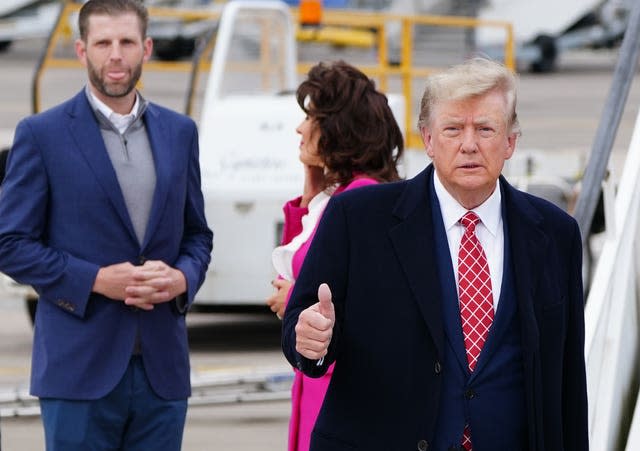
[{"x": 132, "y": 160}]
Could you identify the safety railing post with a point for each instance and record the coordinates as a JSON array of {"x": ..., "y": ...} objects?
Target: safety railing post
[{"x": 609, "y": 122}]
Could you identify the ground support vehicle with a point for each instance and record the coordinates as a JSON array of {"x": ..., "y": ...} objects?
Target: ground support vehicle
[
  {"x": 174, "y": 37},
  {"x": 23, "y": 19},
  {"x": 545, "y": 28},
  {"x": 249, "y": 148},
  {"x": 241, "y": 94}
]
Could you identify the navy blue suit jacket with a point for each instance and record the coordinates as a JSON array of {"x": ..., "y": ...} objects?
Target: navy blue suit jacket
[
  {"x": 375, "y": 248},
  {"x": 63, "y": 216}
]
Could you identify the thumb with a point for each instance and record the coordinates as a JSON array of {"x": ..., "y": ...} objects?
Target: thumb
[{"x": 326, "y": 306}]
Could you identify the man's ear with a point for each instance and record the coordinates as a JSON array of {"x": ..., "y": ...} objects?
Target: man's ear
[
  {"x": 511, "y": 145},
  {"x": 426, "y": 135},
  {"x": 81, "y": 51},
  {"x": 148, "y": 48}
]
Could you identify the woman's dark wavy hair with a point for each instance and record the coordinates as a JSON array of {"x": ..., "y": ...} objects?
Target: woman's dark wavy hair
[{"x": 358, "y": 132}]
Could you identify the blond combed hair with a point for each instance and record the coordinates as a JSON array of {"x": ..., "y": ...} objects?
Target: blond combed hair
[{"x": 472, "y": 78}]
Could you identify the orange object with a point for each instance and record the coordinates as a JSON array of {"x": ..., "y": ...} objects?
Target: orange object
[{"x": 310, "y": 12}]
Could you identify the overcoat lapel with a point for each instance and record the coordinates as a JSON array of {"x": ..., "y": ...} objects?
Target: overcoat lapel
[
  {"x": 413, "y": 243},
  {"x": 86, "y": 133},
  {"x": 524, "y": 247},
  {"x": 528, "y": 246},
  {"x": 507, "y": 304},
  {"x": 450, "y": 304},
  {"x": 160, "y": 142}
]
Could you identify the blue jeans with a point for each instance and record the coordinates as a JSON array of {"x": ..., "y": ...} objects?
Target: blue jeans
[{"x": 130, "y": 418}]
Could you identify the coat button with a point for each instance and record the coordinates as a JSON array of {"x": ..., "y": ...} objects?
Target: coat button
[
  {"x": 469, "y": 393},
  {"x": 142, "y": 259},
  {"x": 437, "y": 367},
  {"x": 423, "y": 445}
]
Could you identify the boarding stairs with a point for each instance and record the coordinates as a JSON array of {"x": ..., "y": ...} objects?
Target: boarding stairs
[{"x": 612, "y": 313}]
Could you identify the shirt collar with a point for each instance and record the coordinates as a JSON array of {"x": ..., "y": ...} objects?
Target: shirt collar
[
  {"x": 108, "y": 112},
  {"x": 489, "y": 211}
]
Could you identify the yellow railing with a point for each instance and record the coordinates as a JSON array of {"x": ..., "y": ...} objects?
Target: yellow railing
[
  {"x": 63, "y": 30},
  {"x": 406, "y": 69},
  {"x": 343, "y": 22}
]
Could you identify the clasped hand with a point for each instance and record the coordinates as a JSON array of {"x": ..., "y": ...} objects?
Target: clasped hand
[
  {"x": 140, "y": 286},
  {"x": 315, "y": 326},
  {"x": 277, "y": 302}
]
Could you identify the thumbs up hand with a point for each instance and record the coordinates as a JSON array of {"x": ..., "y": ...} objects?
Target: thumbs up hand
[
  {"x": 315, "y": 326},
  {"x": 324, "y": 303}
]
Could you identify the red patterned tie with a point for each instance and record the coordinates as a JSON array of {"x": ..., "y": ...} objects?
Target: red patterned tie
[{"x": 476, "y": 299}]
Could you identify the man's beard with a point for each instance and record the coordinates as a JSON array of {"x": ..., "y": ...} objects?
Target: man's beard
[{"x": 113, "y": 90}]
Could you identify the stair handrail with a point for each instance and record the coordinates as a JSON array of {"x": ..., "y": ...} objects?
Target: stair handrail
[{"x": 596, "y": 169}]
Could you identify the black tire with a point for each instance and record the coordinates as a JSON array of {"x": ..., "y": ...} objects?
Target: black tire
[
  {"x": 31, "y": 303},
  {"x": 4, "y": 153},
  {"x": 174, "y": 49},
  {"x": 548, "y": 54},
  {"x": 4, "y": 45},
  {"x": 598, "y": 224}
]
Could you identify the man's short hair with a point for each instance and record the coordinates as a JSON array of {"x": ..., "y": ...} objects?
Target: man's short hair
[
  {"x": 112, "y": 8},
  {"x": 472, "y": 78}
]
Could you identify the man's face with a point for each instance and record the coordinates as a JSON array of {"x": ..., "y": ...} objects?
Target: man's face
[
  {"x": 468, "y": 141},
  {"x": 113, "y": 54}
]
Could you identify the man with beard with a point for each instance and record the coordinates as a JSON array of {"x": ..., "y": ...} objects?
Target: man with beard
[{"x": 102, "y": 212}]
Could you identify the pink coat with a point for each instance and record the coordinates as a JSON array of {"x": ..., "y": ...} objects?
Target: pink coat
[{"x": 307, "y": 393}]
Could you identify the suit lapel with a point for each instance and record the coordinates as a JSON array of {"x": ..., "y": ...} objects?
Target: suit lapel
[
  {"x": 506, "y": 306},
  {"x": 413, "y": 243},
  {"x": 86, "y": 133},
  {"x": 160, "y": 142},
  {"x": 524, "y": 248}
]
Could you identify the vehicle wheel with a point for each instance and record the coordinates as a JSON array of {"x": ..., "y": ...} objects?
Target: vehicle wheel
[
  {"x": 31, "y": 303},
  {"x": 174, "y": 49},
  {"x": 4, "y": 45},
  {"x": 548, "y": 54}
]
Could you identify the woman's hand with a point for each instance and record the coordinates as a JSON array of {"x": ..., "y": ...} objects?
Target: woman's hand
[
  {"x": 278, "y": 300},
  {"x": 313, "y": 183}
]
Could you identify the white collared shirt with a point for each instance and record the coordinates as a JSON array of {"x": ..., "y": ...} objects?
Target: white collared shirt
[
  {"x": 120, "y": 121},
  {"x": 489, "y": 231},
  {"x": 282, "y": 256}
]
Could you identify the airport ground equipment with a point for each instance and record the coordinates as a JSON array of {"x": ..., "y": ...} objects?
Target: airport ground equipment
[
  {"x": 240, "y": 92},
  {"x": 612, "y": 313},
  {"x": 544, "y": 29},
  {"x": 174, "y": 37}
]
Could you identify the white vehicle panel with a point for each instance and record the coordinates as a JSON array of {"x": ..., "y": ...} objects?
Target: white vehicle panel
[{"x": 531, "y": 18}]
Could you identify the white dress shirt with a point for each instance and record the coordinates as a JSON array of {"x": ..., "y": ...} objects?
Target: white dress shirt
[
  {"x": 282, "y": 256},
  {"x": 489, "y": 231},
  {"x": 120, "y": 121}
]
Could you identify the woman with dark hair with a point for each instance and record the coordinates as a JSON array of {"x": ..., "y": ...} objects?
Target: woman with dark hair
[{"x": 349, "y": 139}]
